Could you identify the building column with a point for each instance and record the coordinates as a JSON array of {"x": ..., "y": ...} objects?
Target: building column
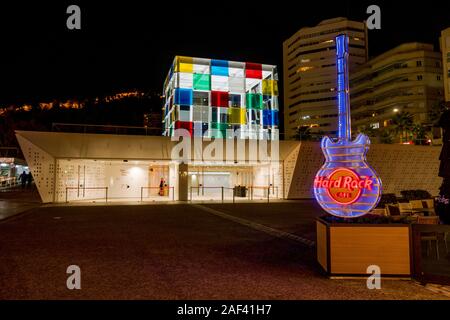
[{"x": 183, "y": 192}]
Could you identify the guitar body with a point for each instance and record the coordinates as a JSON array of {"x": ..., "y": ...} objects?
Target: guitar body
[{"x": 346, "y": 185}]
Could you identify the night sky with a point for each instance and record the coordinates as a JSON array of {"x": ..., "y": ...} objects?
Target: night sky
[{"x": 130, "y": 44}]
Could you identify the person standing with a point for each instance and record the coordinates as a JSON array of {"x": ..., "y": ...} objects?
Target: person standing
[
  {"x": 29, "y": 179},
  {"x": 161, "y": 187}
]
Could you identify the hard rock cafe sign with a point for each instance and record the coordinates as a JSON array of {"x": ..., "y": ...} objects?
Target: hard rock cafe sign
[{"x": 346, "y": 185}]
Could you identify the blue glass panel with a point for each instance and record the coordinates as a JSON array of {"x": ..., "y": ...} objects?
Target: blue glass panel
[
  {"x": 219, "y": 63},
  {"x": 183, "y": 96},
  {"x": 266, "y": 120},
  {"x": 235, "y": 100},
  {"x": 219, "y": 71},
  {"x": 219, "y": 67},
  {"x": 274, "y": 117}
]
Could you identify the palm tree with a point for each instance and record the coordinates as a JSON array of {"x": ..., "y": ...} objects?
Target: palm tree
[
  {"x": 420, "y": 133},
  {"x": 385, "y": 136},
  {"x": 403, "y": 122}
]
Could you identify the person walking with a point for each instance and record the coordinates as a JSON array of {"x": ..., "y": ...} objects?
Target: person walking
[{"x": 23, "y": 179}]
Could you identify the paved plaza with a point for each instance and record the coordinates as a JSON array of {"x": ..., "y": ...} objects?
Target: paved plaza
[{"x": 175, "y": 251}]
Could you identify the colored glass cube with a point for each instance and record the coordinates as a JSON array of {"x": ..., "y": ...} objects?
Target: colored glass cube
[{"x": 229, "y": 94}]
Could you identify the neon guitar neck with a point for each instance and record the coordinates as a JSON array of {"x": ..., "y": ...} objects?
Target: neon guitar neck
[{"x": 343, "y": 90}]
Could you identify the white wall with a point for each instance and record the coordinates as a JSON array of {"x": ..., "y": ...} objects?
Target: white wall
[
  {"x": 400, "y": 167},
  {"x": 125, "y": 180}
]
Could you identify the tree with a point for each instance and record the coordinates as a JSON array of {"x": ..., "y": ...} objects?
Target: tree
[
  {"x": 435, "y": 113},
  {"x": 385, "y": 136},
  {"x": 403, "y": 123},
  {"x": 420, "y": 134},
  {"x": 369, "y": 131},
  {"x": 303, "y": 133}
]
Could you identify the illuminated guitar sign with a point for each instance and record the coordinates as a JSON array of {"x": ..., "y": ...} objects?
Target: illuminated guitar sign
[{"x": 346, "y": 185}]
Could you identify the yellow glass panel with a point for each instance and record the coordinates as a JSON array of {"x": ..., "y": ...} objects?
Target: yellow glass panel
[
  {"x": 275, "y": 87},
  {"x": 266, "y": 87},
  {"x": 184, "y": 64},
  {"x": 270, "y": 87},
  {"x": 234, "y": 115},
  {"x": 243, "y": 114}
]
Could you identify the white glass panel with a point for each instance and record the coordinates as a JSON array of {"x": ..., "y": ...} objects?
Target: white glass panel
[
  {"x": 253, "y": 85},
  {"x": 184, "y": 115},
  {"x": 236, "y": 85},
  {"x": 185, "y": 80},
  {"x": 266, "y": 74},
  {"x": 197, "y": 113},
  {"x": 219, "y": 83},
  {"x": 206, "y": 114},
  {"x": 236, "y": 72},
  {"x": 201, "y": 69}
]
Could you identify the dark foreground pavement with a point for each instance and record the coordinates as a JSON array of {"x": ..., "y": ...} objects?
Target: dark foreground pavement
[{"x": 172, "y": 252}]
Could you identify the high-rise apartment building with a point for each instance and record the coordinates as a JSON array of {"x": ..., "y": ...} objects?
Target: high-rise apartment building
[
  {"x": 309, "y": 68},
  {"x": 221, "y": 98},
  {"x": 445, "y": 49},
  {"x": 407, "y": 78}
]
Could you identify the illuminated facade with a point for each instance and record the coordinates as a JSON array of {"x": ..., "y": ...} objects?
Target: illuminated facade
[
  {"x": 445, "y": 49},
  {"x": 407, "y": 78},
  {"x": 219, "y": 98},
  {"x": 309, "y": 76}
]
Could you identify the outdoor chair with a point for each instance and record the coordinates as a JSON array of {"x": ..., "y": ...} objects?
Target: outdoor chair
[
  {"x": 429, "y": 237},
  {"x": 416, "y": 204},
  {"x": 393, "y": 211},
  {"x": 405, "y": 208},
  {"x": 379, "y": 212}
]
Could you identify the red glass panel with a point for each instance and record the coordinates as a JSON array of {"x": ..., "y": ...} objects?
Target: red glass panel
[
  {"x": 189, "y": 126},
  {"x": 253, "y": 70},
  {"x": 219, "y": 99}
]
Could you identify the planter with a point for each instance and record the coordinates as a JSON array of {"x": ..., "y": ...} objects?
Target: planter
[{"x": 348, "y": 249}]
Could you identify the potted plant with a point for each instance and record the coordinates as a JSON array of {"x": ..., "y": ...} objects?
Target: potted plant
[{"x": 442, "y": 205}]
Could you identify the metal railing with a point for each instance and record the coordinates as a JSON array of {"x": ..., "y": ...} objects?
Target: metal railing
[
  {"x": 268, "y": 188},
  {"x": 167, "y": 188},
  {"x": 9, "y": 182},
  {"x": 250, "y": 192},
  {"x": 87, "y": 188}
]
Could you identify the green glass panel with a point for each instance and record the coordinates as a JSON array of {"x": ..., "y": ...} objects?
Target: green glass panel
[
  {"x": 220, "y": 126},
  {"x": 218, "y": 130},
  {"x": 202, "y": 82},
  {"x": 254, "y": 101}
]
